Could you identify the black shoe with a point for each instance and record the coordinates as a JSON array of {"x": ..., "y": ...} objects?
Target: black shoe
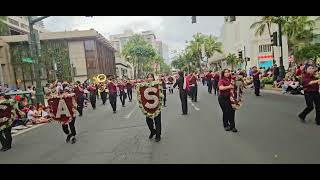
[
  {"x": 184, "y": 113},
  {"x": 6, "y": 149},
  {"x": 2, "y": 149},
  {"x": 227, "y": 128},
  {"x": 152, "y": 134},
  {"x": 158, "y": 139},
  {"x": 73, "y": 140},
  {"x": 68, "y": 138},
  {"x": 114, "y": 112},
  {"x": 234, "y": 130},
  {"x": 302, "y": 119}
]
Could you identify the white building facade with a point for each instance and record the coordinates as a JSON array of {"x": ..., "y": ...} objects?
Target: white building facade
[{"x": 237, "y": 36}]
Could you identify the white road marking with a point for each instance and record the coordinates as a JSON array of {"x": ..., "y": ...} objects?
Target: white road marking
[
  {"x": 26, "y": 130},
  {"x": 133, "y": 109},
  {"x": 194, "y": 106}
]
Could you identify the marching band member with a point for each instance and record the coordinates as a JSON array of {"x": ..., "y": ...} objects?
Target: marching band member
[
  {"x": 78, "y": 90},
  {"x": 156, "y": 121},
  {"x": 122, "y": 94},
  {"x": 65, "y": 127},
  {"x": 183, "y": 85},
  {"x": 112, "y": 94},
  {"x": 256, "y": 80},
  {"x": 225, "y": 88},
  {"x": 194, "y": 87},
  {"x": 209, "y": 81},
  {"x": 103, "y": 93},
  {"x": 216, "y": 77},
  {"x": 129, "y": 87},
  {"x": 6, "y": 120},
  {"x": 311, "y": 93},
  {"x": 93, "y": 94},
  {"x": 170, "y": 83}
]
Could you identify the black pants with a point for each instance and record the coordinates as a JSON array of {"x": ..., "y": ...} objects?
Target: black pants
[
  {"x": 171, "y": 90},
  {"x": 123, "y": 98},
  {"x": 184, "y": 101},
  {"x": 194, "y": 93},
  {"x": 65, "y": 128},
  {"x": 103, "y": 95},
  {"x": 256, "y": 84},
  {"x": 164, "y": 96},
  {"x": 113, "y": 101},
  {"x": 129, "y": 94},
  {"x": 228, "y": 111},
  {"x": 215, "y": 87},
  {"x": 93, "y": 99},
  {"x": 80, "y": 101},
  {"x": 157, "y": 123},
  {"x": 203, "y": 81},
  {"x": 6, "y": 138},
  {"x": 311, "y": 98},
  {"x": 209, "y": 86}
]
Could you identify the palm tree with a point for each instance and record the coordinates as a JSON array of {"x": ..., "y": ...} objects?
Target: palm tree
[
  {"x": 232, "y": 60},
  {"x": 265, "y": 22},
  {"x": 211, "y": 46},
  {"x": 299, "y": 30}
]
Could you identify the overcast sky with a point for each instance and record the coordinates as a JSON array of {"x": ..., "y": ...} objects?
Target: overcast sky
[{"x": 173, "y": 30}]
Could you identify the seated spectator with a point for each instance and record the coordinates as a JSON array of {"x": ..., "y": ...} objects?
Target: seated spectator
[
  {"x": 35, "y": 117},
  {"x": 278, "y": 83}
]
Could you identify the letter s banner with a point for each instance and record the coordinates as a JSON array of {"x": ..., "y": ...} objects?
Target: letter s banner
[{"x": 150, "y": 98}]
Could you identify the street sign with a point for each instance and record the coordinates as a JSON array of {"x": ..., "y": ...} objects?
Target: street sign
[{"x": 27, "y": 60}]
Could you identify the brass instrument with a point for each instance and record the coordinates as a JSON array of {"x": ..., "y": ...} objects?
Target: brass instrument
[{"x": 101, "y": 78}]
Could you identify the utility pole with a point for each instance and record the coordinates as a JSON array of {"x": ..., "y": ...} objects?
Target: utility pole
[
  {"x": 35, "y": 56},
  {"x": 281, "y": 68}
]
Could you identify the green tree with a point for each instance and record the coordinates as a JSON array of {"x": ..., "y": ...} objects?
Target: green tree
[
  {"x": 138, "y": 52},
  {"x": 201, "y": 42},
  {"x": 310, "y": 51},
  {"x": 233, "y": 60},
  {"x": 4, "y": 31}
]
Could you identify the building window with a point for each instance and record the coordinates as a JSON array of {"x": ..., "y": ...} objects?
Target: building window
[
  {"x": 265, "y": 48},
  {"x": 89, "y": 45},
  {"x": 14, "y": 22}
]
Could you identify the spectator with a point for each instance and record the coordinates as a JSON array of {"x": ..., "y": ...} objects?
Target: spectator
[
  {"x": 275, "y": 72},
  {"x": 298, "y": 71}
]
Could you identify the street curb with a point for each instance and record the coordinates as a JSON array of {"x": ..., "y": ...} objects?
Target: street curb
[
  {"x": 29, "y": 129},
  {"x": 280, "y": 93}
]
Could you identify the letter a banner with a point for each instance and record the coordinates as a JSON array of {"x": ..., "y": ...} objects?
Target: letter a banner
[
  {"x": 62, "y": 107},
  {"x": 150, "y": 98}
]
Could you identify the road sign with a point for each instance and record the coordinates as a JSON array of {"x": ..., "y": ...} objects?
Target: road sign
[{"x": 27, "y": 60}]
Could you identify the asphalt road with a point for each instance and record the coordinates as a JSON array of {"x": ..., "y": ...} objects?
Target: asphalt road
[{"x": 269, "y": 132}]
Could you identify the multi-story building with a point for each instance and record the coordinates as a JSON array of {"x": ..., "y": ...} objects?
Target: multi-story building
[
  {"x": 237, "y": 36},
  {"x": 19, "y": 25},
  {"x": 88, "y": 54},
  {"x": 162, "y": 50},
  {"x": 124, "y": 68}
]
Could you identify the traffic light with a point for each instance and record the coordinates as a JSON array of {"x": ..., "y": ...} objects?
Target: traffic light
[
  {"x": 240, "y": 54},
  {"x": 193, "y": 19},
  {"x": 274, "y": 39}
]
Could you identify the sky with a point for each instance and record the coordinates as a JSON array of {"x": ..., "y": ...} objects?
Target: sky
[{"x": 172, "y": 30}]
